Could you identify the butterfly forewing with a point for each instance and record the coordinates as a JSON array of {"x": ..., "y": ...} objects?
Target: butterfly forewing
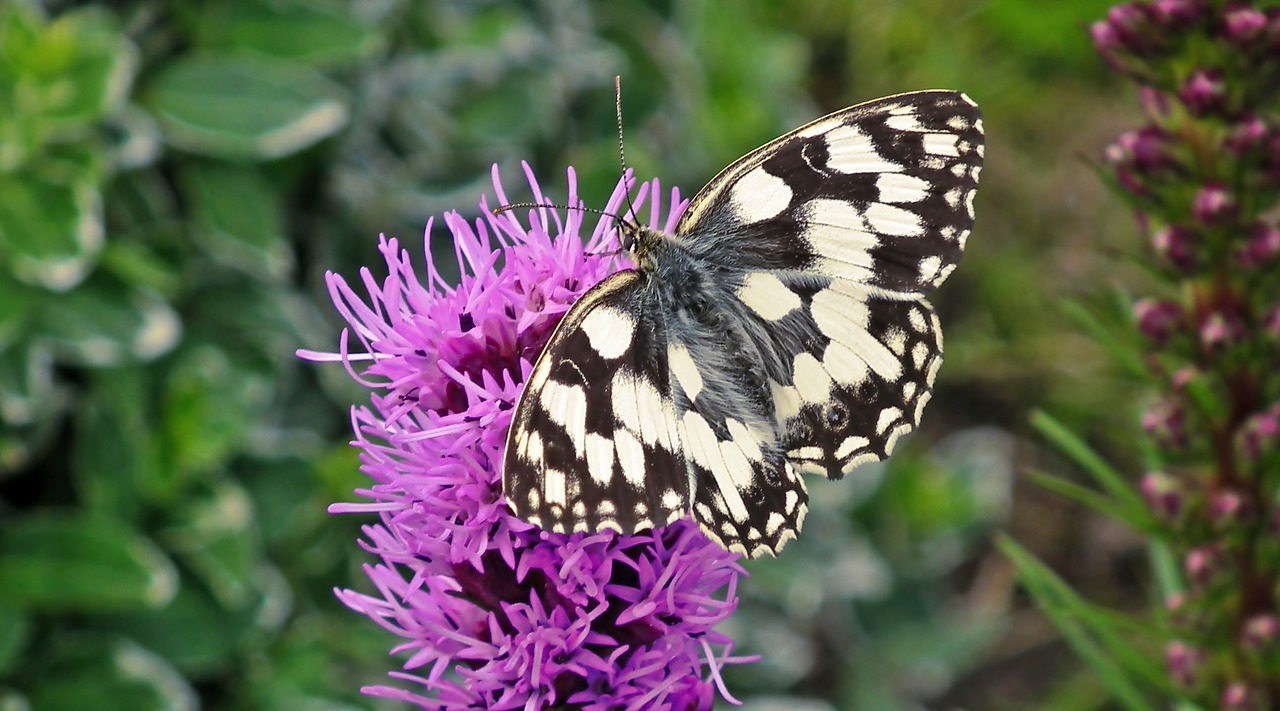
[
  {"x": 782, "y": 329},
  {"x": 879, "y": 193}
]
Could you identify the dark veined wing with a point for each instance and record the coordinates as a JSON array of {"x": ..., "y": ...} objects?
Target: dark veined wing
[
  {"x": 829, "y": 237},
  {"x": 595, "y": 440},
  {"x": 880, "y": 194},
  {"x": 634, "y": 416}
]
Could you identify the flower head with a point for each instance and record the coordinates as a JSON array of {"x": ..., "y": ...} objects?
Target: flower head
[{"x": 493, "y": 612}]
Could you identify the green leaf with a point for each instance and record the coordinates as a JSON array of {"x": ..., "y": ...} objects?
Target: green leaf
[
  {"x": 308, "y": 31},
  {"x": 245, "y": 107},
  {"x": 104, "y": 323},
  {"x": 211, "y": 408},
  {"x": 1075, "y": 448},
  {"x": 107, "y": 675},
  {"x": 1140, "y": 518},
  {"x": 193, "y": 632},
  {"x": 50, "y": 231},
  {"x": 1125, "y": 353},
  {"x": 26, "y": 384},
  {"x": 15, "y": 309},
  {"x": 115, "y": 456},
  {"x": 1104, "y": 640},
  {"x": 15, "y": 630},
  {"x": 239, "y": 217},
  {"x": 212, "y": 530},
  {"x": 1167, "y": 569},
  {"x": 71, "y": 71},
  {"x": 286, "y": 491},
  {"x": 55, "y": 562}
]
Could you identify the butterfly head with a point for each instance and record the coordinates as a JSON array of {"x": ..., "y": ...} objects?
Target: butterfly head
[{"x": 640, "y": 242}]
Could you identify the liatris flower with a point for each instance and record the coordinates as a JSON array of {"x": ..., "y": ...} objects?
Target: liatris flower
[
  {"x": 1203, "y": 175},
  {"x": 495, "y": 613}
]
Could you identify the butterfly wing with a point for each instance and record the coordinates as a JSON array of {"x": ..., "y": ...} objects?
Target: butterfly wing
[
  {"x": 617, "y": 429},
  {"x": 594, "y": 441},
  {"x": 787, "y": 333},
  {"x": 829, "y": 238}
]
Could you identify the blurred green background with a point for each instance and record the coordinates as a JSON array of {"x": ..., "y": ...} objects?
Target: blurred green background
[{"x": 176, "y": 176}]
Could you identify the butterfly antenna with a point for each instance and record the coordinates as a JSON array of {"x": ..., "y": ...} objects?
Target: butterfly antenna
[
  {"x": 622, "y": 153},
  {"x": 580, "y": 208}
]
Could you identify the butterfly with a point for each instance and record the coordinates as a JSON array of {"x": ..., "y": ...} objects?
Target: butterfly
[{"x": 781, "y": 330}]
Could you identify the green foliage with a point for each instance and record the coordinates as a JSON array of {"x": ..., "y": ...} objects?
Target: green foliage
[{"x": 1110, "y": 643}]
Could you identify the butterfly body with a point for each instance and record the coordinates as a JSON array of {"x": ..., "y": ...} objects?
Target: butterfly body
[{"x": 782, "y": 329}]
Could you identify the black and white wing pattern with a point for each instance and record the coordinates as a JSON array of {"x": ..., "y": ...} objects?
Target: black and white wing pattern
[{"x": 782, "y": 329}]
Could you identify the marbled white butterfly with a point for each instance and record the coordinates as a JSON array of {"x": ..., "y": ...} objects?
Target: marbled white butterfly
[{"x": 782, "y": 329}]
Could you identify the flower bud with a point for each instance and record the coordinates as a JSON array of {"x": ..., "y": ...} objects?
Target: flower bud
[
  {"x": 1185, "y": 663},
  {"x": 1260, "y": 634},
  {"x": 1176, "y": 245},
  {"x": 1154, "y": 101},
  {"x": 1262, "y": 247},
  {"x": 1205, "y": 565},
  {"x": 1143, "y": 148},
  {"x": 1129, "y": 180},
  {"x": 1164, "y": 495},
  {"x": 1261, "y": 433},
  {"x": 1204, "y": 92},
  {"x": 1178, "y": 14},
  {"x": 1229, "y": 508},
  {"x": 1214, "y": 205},
  {"x": 1246, "y": 135},
  {"x": 1221, "y": 331},
  {"x": 1243, "y": 25},
  {"x": 1271, "y": 323},
  {"x": 1159, "y": 320},
  {"x": 1183, "y": 377},
  {"x": 1165, "y": 421},
  {"x": 1105, "y": 39},
  {"x": 1131, "y": 22},
  {"x": 1239, "y": 696}
]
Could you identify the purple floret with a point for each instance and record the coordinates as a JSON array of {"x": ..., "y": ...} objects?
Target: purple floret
[{"x": 493, "y": 612}]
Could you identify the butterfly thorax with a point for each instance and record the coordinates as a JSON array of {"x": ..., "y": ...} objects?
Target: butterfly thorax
[
  {"x": 644, "y": 244},
  {"x": 700, "y": 320}
]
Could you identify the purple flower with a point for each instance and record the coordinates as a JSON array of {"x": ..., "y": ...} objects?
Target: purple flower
[
  {"x": 1177, "y": 246},
  {"x": 1214, "y": 205},
  {"x": 1222, "y": 330},
  {"x": 1243, "y": 25},
  {"x": 493, "y": 612},
  {"x": 1263, "y": 246},
  {"x": 1158, "y": 319},
  {"x": 1204, "y": 92},
  {"x": 1164, "y": 494},
  {"x": 1185, "y": 663}
]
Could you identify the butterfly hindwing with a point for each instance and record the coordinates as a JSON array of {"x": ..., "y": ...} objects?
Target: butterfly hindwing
[{"x": 594, "y": 442}]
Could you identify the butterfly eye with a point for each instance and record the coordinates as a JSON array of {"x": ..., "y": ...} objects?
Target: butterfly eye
[{"x": 630, "y": 237}]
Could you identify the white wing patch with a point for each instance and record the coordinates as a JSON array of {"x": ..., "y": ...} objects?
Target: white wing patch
[
  {"x": 758, "y": 196},
  {"x": 766, "y": 295},
  {"x": 852, "y": 151},
  {"x": 899, "y": 188},
  {"x": 610, "y": 331},
  {"x": 685, "y": 370}
]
